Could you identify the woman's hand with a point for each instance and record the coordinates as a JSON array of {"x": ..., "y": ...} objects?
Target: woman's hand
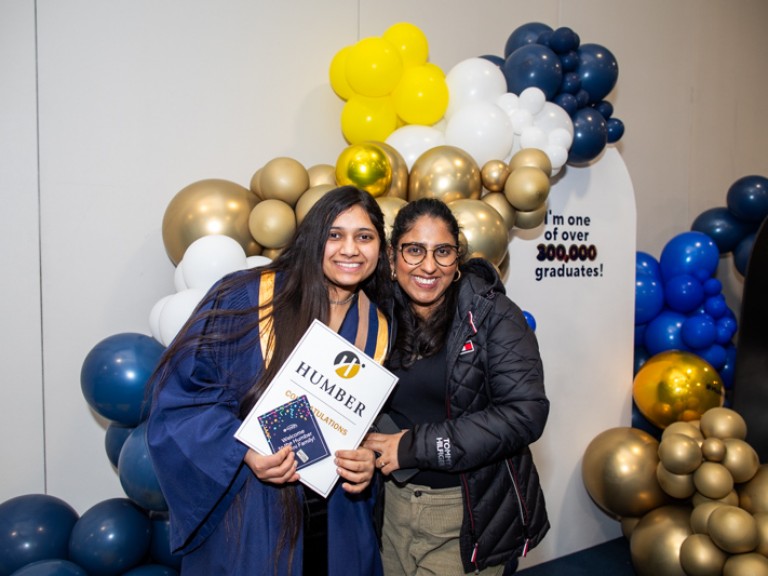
[
  {"x": 277, "y": 468},
  {"x": 386, "y": 446},
  {"x": 357, "y": 467}
]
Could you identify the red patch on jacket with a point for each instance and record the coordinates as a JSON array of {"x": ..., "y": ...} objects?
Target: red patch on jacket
[{"x": 467, "y": 347}]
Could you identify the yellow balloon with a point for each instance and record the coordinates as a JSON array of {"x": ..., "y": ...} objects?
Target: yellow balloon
[
  {"x": 206, "y": 207},
  {"x": 527, "y": 188},
  {"x": 309, "y": 198},
  {"x": 338, "y": 74},
  {"x": 723, "y": 423},
  {"x": 421, "y": 96},
  {"x": 753, "y": 496},
  {"x": 366, "y": 166},
  {"x": 733, "y": 529},
  {"x": 321, "y": 174},
  {"x": 657, "y": 539},
  {"x": 409, "y": 41},
  {"x": 699, "y": 556},
  {"x": 484, "y": 229},
  {"x": 390, "y": 206},
  {"x": 494, "y": 174},
  {"x": 398, "y": 186},
  {"x": 619, "y": 472},
  {"x": 713, "y": 480},
  {"x": 373, "y": 67},
  {"x": 445, "y": 172},
  {"x": 366, "y": 118},
  {"x": 272, "y": 223},
  {"x": 498, "y": 201},
  {"x": 676, "y": 385},
  {"x": 751, "y": 564},
  {"x": 531, "y": 157},
  {"x": 679, "y": 453},
  {"x": 530, "y": 220},
  {"x": 283, "y": 179}
]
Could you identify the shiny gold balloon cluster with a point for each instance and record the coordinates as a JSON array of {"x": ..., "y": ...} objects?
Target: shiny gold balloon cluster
[{"x": 694, "y": 503}]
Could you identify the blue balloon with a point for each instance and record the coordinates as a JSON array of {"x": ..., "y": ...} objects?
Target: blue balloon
[
  {"x": 640, "y": 334},
  {"x": 713, "y": 287},
  {"x": 723, "y": 227},
  {"x": 523, "y": 35},
  {"x": 114, "y": 376},
  {"x": 533, "y": 65},
  {"x": 160, "y": 545},
  {"x": 742, "y": 252},
  {"x": 726, "y": 329},
  {"x": 649, "y": 298},
  {"x": 699, "y": 331},
  {"x": 605, "y": 108},
  {"x": 715, "y": 355},
  {"x": 647, "y": 265},
  {"x": 137, "y": 474},
  {"x": 598, "y": 70},
  {"x": 570, "y": 61},
  {"x": 726, "y": 372},
  {"x": 665, "y": 333},
  {"x": 564, "y": 40},
  {"x": 114, "y": 439},
  {"x": 615, "y": 128},
  {"x": 530, "y": 320},
  {"x": 571, "y": 83},
  {"x": 582, "y": 98},
  {"x": 34, "y": 527},
  {"x": 640, "y": 357},
  {"x": 567, "y": 102},
  {"x": 110, "y": 538},
  {"x": 498, "y": 60},
  {"x": 51, "y": 568},
  {"x": 692, "y": 253},
  {"x": 683, "y": 293},
  {"x": 152, "y": 570},
  {"x": 747, "y": 198},
  {"x": 716, "y": 306},
  {"x": 590, "y": 136},
  {"x": 642, "y": 423}
]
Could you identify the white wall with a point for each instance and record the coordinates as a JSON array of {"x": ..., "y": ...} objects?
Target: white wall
[{"x": 109, "y": 108}]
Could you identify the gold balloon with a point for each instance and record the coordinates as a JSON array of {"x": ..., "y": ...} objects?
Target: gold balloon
[
  {"x": 699, "y": 556},
  {"x": 732, "y": 499},
  {"x": 761, "y": 519},
  {"x": 502, "y": 268},
  {"x": 256, "y": 184},
  {"x": 445, "y": 172},
  {"x": 679, "y": 453},
  {"x": 283, "y": 179},
  {"x": 676, "y": 385},
  {"x": 741, "y": 460},
  {"x": 271, "y": 253},
  {"x": 484, "y": 229},
  {"x": 398, "y": 186},
  {"x": 502, "y": 206},
  {"x": 494, "y": 174},
  {"x": 733, "y": 529},
  {"x": 628, "y": 526},
  {"x": 619, "y": 472},
  {"x": 723, "y": 423},
  {"x": 687, "y": 428},
  {"x": 272, "y": 223},
  {"x": 751, "y": 564},
  {"x": 530, "y": 220},
  {"x": 657, "y": 539},
  {"x": 531, "y": 157},
  {"x": 308, "y": 199},
  {"x": 365, "y": 165},
  {"x": 753, "y": 495},
  {"x": 390, "y": 206},
  {"x": 700, "y": 515},
  {"x": 527, "y": 188},
  {"x": 713, "y": 449},
  {"x": 678, "y": 486},
  {"x": 713, "y": 480},
  {"x": 320, "y": 174},
  {"x": 207, "y": 207}
]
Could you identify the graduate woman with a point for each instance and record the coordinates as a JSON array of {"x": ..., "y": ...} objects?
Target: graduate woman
[
  {"x": 233, "y": 511},
  {"x": 469, "y": 400}
]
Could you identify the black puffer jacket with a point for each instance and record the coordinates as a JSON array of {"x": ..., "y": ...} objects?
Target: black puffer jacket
[{"x": 496, "y": 406}]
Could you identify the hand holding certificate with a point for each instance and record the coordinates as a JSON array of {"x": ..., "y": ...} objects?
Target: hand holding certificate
[{"x": 323, "y": 399}]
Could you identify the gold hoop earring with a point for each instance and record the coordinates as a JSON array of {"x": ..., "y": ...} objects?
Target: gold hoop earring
[
  {"x": 393, "y": 275},
  {"x": 458, "y": 276}
]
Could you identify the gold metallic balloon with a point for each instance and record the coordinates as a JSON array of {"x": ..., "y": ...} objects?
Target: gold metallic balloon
[
  {"x": 484, "y": 229},
  {"x": 713, "y": 480},
  {"x": 657, "y": 539},
  {"x": 321, "y": 174},
  {"x": 678, "y": 486},
  {"x": 741, "y": 460},
  {"x": 530, "y": 220},
  {"x": 619, "y": 472},
  {"x": 208, "y": 207},
  {"x": 502, "y": 206},
  {"x": 398, "y": 186},
  {"x": 761, "y": 519},
  {"x": 271, "y": 253},
  {"x": 527, "y": 188},
  {"x": 445, "y": 172},
  {"x": 272, "y": 223},
  {"x": 256, "y": 184},
  {"x": 751, "y": 564},
  {"x": 733, "y": 529},
  {"x": 628, "y": 525},
  {"x": 753, "y": 495},
  {"x": 283, "y": 179},
  {"x": 700, "y": 515},
  {"x": 680, "y": 454},
  {"x": 676, "y": 385},
  {"x": 308, "y": 199},
  {"x": 502, "y": 268},
  {"x": 494, "y": 175},
  {"x": 365, "y": 165},
  {"x": 723, "y": 423},
  {"x": 732, "y": 499},
  {"x": 713, "y": 449},
  {"x": 687, "y": 428},
  {"x": 531, "y": 157},
  {"x": 390, "y": 206},
  {"x": 699, "y": 556}
]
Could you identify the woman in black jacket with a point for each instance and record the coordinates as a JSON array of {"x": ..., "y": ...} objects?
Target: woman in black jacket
[{"x": 469, "y": 402}]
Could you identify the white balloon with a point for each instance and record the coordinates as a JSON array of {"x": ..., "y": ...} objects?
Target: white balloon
[
  {"x": 561, "y": 137},
  {"x": 508, "y": 102},
  {"x": 211, "y": 257},
  {"x": 154, "y": 317},
  {"x": 533, "y": 99},
  {"x": 178, "y": 277},
  {"x": 176, "y": 312},
  {"x": 473, "y": 80},
  {"x": 481, "y": 129},
  {"x": 533, "y": 137},
  {"x": 413, "y": 140},
  {"x": 558, "y": 156},
  {"x": 256, "y": 261},
  {"x": 521, "y": 119},
  {"x": 553, "y": 116}
]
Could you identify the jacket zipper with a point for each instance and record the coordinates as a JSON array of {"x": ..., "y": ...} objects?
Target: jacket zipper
[{"x": 521, "y": 506}]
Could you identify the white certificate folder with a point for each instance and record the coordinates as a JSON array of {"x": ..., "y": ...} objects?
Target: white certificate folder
[{"x": 346, "y": 390}]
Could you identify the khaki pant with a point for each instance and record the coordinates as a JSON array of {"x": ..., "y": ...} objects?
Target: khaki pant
[{"x": 421, "y": 532}]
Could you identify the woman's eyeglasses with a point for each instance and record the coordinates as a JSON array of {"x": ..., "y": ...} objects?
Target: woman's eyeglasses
[{"x": 444, "y": 254}]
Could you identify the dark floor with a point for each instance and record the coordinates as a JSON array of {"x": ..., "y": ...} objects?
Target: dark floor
[{"x": 609, "y": 558}]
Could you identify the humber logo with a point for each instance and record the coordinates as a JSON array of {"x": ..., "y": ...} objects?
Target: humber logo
[{"x": 347, "y": 364}]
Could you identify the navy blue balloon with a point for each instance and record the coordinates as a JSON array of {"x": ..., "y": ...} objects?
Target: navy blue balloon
[
  {"x": 34, "y": 527},
  {"x": 605, "y": 108},
  {"x": 530, "y": 320},
  {"x": 647, "y": 265},
  {"x": 533, "y": 65},
  {"x": 544, "y": 38},
  {"x": 640, "y": 334},
  {"x": 640, "y": 357},
  {"x": 699, "y": 331},
  {"x": 640, "y": 422},
  {"x": 137, "y": 474},
  {"x": 665, "y": 333},
  {"x": 523, "y": 35},
  {"x": 742, "y": 253},
  {"x": 615, "y": 128},
  {"x": 683, "y": 293},
  {"x": 563, "y": 40},
  {"x": 598, "y": 70},
  {"x": 110, "y": 538},
  {"x": 571, "y": 83},
  {"x": 160, "y": 545},
  {"x": 569, "y": 60},
  {"x": 692, "y": 253},
  {"x": 747, "y": 198},
  {"x": 567, "y": 102},
  {"x": 114, "y": 439},
  {"x": 649, "y": 298},
  {"x": 114, "y": 376},
  {"x": 582, "y": 98},
  {"x": 152, "y": 570},
  {"x": 498, "y": 60},
  {"x": 726, "y": 372},
  {"x": 590, "y": 135},
  {"x": 51, "y": 568},
  {"x": 723, "y": 227}
]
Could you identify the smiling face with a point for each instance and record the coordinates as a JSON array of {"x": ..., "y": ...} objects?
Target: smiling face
[
  {"x": 425, "y": 283},
  {"x": 351, "y": 252}
]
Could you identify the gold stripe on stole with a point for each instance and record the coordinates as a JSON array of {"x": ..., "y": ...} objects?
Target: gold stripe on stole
[
  {"x": 266, "y": 293},
  {"x": 382, "y": 338}
]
